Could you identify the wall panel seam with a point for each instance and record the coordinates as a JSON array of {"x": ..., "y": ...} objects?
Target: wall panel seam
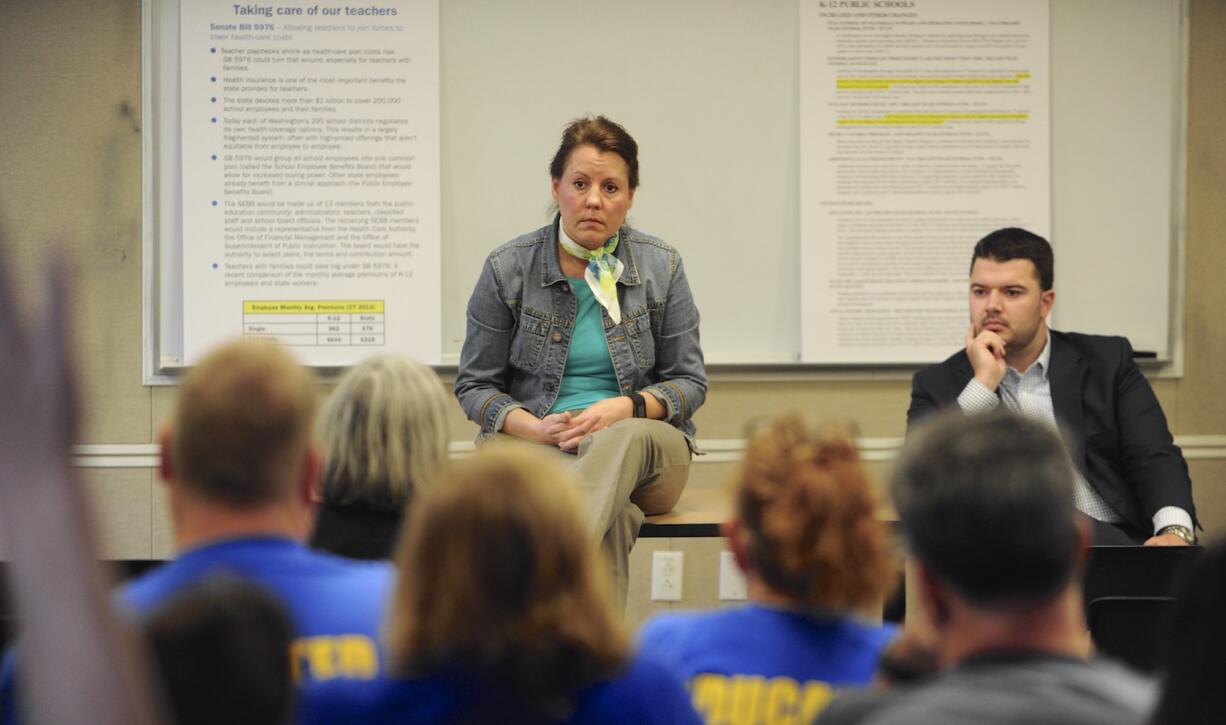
[{"x": 718, "y": 450}]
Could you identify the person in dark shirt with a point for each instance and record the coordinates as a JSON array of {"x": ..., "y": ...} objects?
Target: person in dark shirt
[
  {"x": 219, "y": 647},
  {"x": 985, "y": 504},
  {"x": 384, "y": 435},
  {"x": 1193, "y": 668}
]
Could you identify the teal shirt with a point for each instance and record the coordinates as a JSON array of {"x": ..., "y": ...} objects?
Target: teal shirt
[{"x": 588, "y": 377}]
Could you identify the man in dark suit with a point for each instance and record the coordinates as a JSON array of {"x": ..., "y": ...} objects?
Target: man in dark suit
[{"x": 1133, "y": 481}]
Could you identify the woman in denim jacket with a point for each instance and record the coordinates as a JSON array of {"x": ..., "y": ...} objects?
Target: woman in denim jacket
[{"x": 583, "y": 336}]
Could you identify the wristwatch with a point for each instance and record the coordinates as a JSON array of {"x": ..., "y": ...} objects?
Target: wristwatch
[
  {"x": 640, "y": 405},
  {"x": 1182, "y": 532}
]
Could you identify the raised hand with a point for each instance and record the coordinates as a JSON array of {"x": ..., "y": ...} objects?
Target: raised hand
[
  {"x": 38, "y": 420},
  {"x": 78, "y": 662}
]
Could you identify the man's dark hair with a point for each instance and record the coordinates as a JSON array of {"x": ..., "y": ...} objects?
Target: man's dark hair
[
  {"x": 222, "y": 648},
  {"x": 986, "y": 503},
  {"x": 1009, "y": 243}
]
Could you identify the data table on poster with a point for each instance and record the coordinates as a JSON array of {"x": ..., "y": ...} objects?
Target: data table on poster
[{"x": 315, "y": 324}]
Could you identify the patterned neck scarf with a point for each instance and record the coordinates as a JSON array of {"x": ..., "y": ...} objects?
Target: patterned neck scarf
[{"x": 603, "y": 270}]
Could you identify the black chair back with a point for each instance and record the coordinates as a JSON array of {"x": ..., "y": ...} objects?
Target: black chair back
[
  {"x": 1129, "y": 592},
  {"x": 1130, "y": 629},
  {"x": 1136, "y": 571}
]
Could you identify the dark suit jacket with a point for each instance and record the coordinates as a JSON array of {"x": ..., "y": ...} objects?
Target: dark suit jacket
[{"x": 1108, "y": 414}]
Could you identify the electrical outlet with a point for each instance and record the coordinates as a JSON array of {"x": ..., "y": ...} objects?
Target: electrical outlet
[
  {"x": 731, "y": 578},
  {"x": 666, "y": 576}
]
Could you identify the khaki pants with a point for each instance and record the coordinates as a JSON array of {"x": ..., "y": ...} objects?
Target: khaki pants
[{"x": 634, "y": 468}]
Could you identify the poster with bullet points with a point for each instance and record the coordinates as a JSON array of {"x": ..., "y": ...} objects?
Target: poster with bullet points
[
  {"x": 924, "y": 125},
  {"x": 310, "y": 157}
]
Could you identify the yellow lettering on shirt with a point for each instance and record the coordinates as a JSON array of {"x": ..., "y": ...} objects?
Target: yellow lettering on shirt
[
  {"x": 781, "y": 696},
  {"x": 357, "y": 657},
  {"x": 707, "y": 692},
  {"x": 747, "y": 699},
  {"x": 755, "y": 700},
  {"x": 350, "y": 656},
  {"x": 817, "y": 695}
]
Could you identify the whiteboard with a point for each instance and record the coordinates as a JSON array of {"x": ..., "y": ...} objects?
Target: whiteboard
[{"x": 709, "y": 90}]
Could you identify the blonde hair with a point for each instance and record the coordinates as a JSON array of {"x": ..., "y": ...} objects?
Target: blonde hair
[
  {"x": 804, "y": 498},
  {"x": 384, "y": 433},
  {"x": 498, "y": 577},
  {"x": 242, "y": 424}
]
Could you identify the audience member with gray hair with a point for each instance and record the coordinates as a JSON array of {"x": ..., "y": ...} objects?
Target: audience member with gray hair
[
  {"x": 384, "y": 434},
  {"x": 986, "y": 506}
]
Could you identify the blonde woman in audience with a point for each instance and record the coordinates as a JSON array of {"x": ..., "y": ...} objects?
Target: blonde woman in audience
[
  {"x": 501, "y": 614},
  {"x": 816, "y": 558},
  {"x": 384, "y": 432}
]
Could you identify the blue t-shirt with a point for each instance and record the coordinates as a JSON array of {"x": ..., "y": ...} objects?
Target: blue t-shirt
[
  {"x": 336, "y": 604},
  {"x": 758, "y": 664},
  {"x": 588, "y": 376},
  {"x": 645, "y": 693}
]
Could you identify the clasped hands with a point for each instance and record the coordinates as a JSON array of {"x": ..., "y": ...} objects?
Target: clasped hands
[{"x": 567, "y": 431}]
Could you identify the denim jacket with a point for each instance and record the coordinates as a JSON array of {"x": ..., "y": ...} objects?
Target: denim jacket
[{"x": 522, "y": 313}]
